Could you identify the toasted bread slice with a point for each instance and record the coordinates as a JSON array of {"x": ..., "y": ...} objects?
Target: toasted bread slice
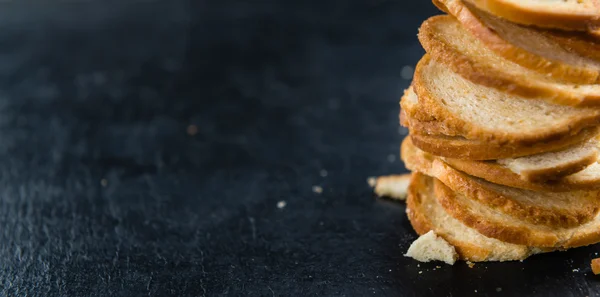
[
  {"x": 449, "y": 43},
  {"x": 482, "y": 113},
  {"x": 553, "y": 165},
  {"x": 585, "y": 180},
  {"x": 555, "y": 210},
  {"x": 525, "y": 46},
  {"x": 495, "y": 224},
  {"x": 426, "y": 214},
  {"x": 462, "y": 148},
  {"x": 576, "y": 15},
  {"x": 581, "y": 43}
]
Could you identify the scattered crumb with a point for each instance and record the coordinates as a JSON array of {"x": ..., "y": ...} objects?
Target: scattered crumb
[
  {"x": 420, "y": 272},
  {"x": 372, "y": 181},
  {"x": 470, "y": 264},
  {"x": 390, "y": 270},
  {"x": 104, "y": 182},
  {"x": 281, "y": 204},
  {"x": 317, "y": 189},
  {"x": 391, "y": 158},
  {"x": 576, "y": 270},
  {"x": 438, "y": 267},
  {"x": 392, "y": 186},
  {"x": 407, "y": 72},
  {"x": 475, "y": 291},
  {"x": 498, "y": 289},
  {"x": 323, "y": 173},
  {"x": 596, "y": 266},
  {"x": 192, "y": 130}
]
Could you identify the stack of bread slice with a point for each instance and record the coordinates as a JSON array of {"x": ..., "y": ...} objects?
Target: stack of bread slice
[{"x": 504, "y": 114}]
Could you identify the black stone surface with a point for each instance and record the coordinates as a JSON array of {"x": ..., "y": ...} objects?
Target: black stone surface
[{"x": 104, "y": 193}]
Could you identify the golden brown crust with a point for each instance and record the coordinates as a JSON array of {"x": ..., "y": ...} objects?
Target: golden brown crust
[
  {"x": 436, "y": 119},
  {"x": 511, "y": 233},
  {"x": 489, "y": 75},
  {"x": 564, "y": 20},
  {"x": 483, "y": 26},
  {"x": 462, "y": 148},
  {"x": 493, "y": 172},
  {"x": 595, "y": 264},
  {"x": 584, "y": 207}
]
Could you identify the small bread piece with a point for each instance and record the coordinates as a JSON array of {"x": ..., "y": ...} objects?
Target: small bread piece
[
  {"x": 567, "y": 209},
  {"x": 585, "y": 180},
  {"x": 576, "y": 15},
  {"x": 426, "y": 214},
  {"x": 526, "y": 46},
  {"x": 462, "y": 148},
  {"x": 392, "y": 186},
  {"x": 553, "y": 165},
  {"x": 430, "y": 247},
  {"x": 596, "y": 266},
  {"x": 495, "y": 224},
  {"x": 449, "y": 43}
]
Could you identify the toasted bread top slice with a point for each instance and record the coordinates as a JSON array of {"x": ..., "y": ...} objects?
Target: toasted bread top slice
[
  {"x": 567, "y": 209},
  {"x": 553, "y": 165},
  {"x": 577, "y": 15},
  {"x": 426, "y": 214},
  {"x": 525, "y": 46},
  {"x": 496, "y": 224},
  {"x": 478, "y": 112},
  {"x": 449, "y": 43}
]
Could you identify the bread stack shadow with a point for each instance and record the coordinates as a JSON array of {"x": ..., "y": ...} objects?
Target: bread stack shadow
[{"x": 503, "y": 142}]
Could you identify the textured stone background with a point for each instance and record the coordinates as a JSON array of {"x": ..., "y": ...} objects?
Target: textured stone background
[{"x": 103, "y": 192}]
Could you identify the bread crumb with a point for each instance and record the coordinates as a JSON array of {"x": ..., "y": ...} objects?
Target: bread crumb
[
  {"x": 576, "y": 270},
  {"x": 475, "y": 291},
  {"x": 372, "y": 181},
  {"x": 317, "y": 189},
  {"x": 438, "y": 267},
  {"x": 192, "y": 130},
  {"x": 104, "y": 182},
  {"x": 430, "y": 247},
  {"x": 420, "y": 272},
  {"x": 391, "y": 158},
  {"x": 281, "y": 204},
  {"x": 498, "y": 289},
  {"x": 407, "y": 72},
  {"x": 470, "y": 264},
  {"x": 392, "y": 186},
  {"x": 323, "y": 173},
  {"x": 596, "y": 266}
]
